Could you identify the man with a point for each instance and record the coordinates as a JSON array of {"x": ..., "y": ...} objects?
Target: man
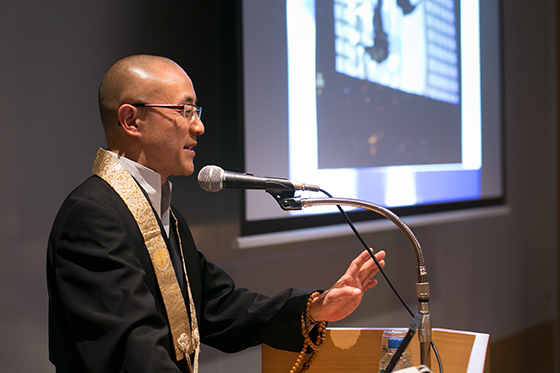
[{"x": 128, "y": 291}]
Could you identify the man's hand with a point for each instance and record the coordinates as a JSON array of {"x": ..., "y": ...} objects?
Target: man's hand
[{"x": 346, "y": 294}]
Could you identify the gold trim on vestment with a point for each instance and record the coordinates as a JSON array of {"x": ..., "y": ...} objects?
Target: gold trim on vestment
[
  {"x": 107, "y": 167},
  {"x": 194, "y": 323}
]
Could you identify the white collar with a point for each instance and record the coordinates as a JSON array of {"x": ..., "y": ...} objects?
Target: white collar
[{"x": 159, "y": 195}]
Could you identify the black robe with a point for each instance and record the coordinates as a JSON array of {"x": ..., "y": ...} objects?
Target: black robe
[{"x": 106, "y": 313}]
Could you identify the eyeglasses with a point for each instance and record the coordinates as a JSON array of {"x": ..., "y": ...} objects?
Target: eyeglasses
[{"x": 190, "y": 111}]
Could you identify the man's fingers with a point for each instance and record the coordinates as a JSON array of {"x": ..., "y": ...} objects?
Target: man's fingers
[
  {"x": 358, "y": 263},
  {"x": 372, "y": 283},
  {"x": 369, "y": 268},
  {"x": 362, "y": 259},
  {"x": 371, "y": 273}
]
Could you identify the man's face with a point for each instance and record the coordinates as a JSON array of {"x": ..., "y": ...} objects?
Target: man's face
[{"x": 167, "y": 138}]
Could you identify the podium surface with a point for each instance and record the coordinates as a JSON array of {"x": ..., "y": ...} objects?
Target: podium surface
[{"x": 359, "y": 350}]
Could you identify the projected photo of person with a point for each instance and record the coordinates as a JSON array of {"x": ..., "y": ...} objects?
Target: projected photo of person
[
  {"x": 388, "y": 77},
  {"x": 379, "y": 100}
]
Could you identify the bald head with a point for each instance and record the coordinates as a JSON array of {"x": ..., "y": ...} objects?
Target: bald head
[
  {"x": 158, "y": 136},
  {"x": 133, "y": 79}
]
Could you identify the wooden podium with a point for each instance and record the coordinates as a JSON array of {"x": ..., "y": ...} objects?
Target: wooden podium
[{"x": 359, "y": 350}]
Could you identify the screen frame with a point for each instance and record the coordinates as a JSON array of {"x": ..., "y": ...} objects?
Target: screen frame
[{"x": 265, "y": 226}]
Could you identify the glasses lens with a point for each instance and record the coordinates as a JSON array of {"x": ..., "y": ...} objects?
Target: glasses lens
[{"x": 190, "y": 112}]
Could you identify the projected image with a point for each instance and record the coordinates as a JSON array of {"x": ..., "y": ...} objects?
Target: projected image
[
  {"x": 407, "y": 45},
  {"x": 382, "y": 105},
  {"x": 378, "y": 100},
  {"x": 390, "y": 71}
]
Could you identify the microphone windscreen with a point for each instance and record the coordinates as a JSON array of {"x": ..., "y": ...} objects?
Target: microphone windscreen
[{"x": 210, "y": 178}]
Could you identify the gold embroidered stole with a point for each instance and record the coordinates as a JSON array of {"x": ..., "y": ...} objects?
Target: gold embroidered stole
[{"x": 186, "y": 339}]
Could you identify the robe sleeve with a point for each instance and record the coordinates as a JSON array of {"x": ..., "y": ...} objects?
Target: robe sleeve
[{"x": 232, "y": 319}]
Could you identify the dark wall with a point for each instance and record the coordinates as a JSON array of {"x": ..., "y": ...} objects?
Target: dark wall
[{"x": 52, "y": 58}]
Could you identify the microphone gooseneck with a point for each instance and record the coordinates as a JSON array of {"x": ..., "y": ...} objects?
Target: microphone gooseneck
[
  {"x": 422, "y": 286},
  {"x": 214, "y": 179}
]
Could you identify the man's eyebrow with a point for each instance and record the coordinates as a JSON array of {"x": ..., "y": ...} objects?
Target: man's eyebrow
[{"x": 189, "y": 100}]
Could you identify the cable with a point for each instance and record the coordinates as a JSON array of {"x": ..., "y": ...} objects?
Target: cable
[{"x": 370, "y": 251}]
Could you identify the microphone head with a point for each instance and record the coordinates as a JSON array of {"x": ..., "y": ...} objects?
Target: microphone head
[{"x": 210, "y": 178}]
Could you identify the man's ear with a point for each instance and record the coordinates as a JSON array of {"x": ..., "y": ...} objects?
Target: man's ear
[{"x": 127, "y": 116}]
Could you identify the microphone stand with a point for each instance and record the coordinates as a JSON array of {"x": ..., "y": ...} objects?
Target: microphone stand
[{"x": 287, "y": 202}]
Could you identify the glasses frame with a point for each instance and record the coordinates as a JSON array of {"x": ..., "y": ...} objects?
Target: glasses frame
[{"x": 197, "y": 109}]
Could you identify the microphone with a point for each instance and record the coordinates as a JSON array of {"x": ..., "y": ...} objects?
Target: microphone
[{"x": 214, "y": 179}]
